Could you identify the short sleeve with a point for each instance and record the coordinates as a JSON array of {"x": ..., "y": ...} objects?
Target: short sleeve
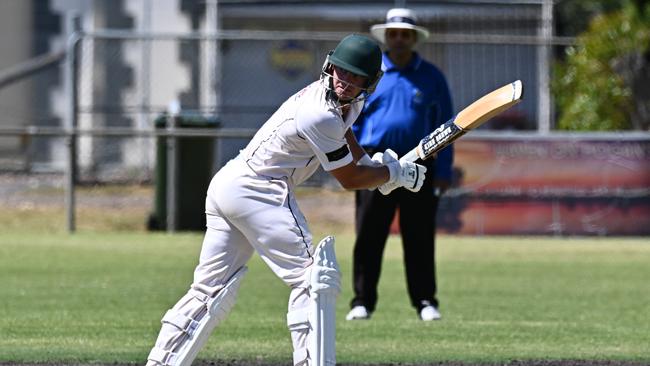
[{"x": 325, "y": 134}]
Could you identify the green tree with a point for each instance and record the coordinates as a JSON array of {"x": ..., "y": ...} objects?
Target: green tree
[
  {"x": 604, "y": 82},
  {"x": 572, "y": 17}
]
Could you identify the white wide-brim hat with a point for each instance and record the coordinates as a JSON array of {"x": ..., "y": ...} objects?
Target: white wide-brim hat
[{"x": 399, "y": 18}]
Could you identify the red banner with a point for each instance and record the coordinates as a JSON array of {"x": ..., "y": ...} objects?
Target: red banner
[
  {"x": 558, "y": 186},
  {"x": 566, "y": 186}
]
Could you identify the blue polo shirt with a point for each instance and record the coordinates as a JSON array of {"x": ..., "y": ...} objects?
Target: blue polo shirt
[{"x": 407, "y": 105}]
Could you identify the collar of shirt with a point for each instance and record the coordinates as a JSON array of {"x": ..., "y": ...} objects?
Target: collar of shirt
[{"x": 388, "y": 65}]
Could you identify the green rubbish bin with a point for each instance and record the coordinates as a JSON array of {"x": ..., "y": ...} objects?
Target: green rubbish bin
[{"x": 193, "y": 174}]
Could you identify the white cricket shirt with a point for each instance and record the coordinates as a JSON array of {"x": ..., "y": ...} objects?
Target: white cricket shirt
[{"x": 307, "y": 130}]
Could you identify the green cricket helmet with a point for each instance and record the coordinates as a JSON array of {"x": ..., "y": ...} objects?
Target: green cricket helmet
[{"x": 359, "y": 55}]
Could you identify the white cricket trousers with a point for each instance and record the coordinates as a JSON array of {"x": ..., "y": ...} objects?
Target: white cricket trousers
[{"x": 248, "y": 213}]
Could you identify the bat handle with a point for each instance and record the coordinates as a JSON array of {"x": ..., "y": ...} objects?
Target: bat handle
[{"x": 411, "y": 155}]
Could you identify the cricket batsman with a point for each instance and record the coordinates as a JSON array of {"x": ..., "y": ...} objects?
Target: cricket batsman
[{"x": 251, "y": 207}]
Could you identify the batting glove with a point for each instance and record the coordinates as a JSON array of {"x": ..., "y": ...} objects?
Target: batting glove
[
  {"x": 389, "y": 156},
  {"x": 402, "y": 174},
  {"x": 378, "y": 158},
  {"x": 366, "y": 161}
]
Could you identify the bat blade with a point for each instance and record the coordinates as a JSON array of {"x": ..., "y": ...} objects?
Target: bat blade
[{"x": 469, "y": 118}]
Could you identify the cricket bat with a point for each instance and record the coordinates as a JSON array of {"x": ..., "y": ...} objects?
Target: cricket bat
[{"x": 469, "y": 118}]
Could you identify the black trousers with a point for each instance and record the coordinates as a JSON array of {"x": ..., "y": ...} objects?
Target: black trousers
[{"x": 374, "y": 214}]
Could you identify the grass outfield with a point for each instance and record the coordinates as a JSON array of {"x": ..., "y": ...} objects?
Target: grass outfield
[{"x": 98, "y": 297}]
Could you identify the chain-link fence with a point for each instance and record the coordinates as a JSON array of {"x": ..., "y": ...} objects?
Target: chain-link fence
[
  {"x": 171, "y": 108},
  {"x": 128, "y": 81},
  {"x": 127, "y": 77}
]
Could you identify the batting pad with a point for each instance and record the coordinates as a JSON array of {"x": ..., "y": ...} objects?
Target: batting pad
[
  {"x": 325, "y": 286},
  {"x": 195, "y": 331}
]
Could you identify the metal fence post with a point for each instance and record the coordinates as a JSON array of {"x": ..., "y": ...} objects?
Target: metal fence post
[
  {"x": 73, "y": 27},
  {"x": 210, "y": 51},
  {"x": 172, "y": 165},
  {"x": 543, "y": 66}
]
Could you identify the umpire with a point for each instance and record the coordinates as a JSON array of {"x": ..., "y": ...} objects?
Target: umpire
[{"x": 411, "y": 100}]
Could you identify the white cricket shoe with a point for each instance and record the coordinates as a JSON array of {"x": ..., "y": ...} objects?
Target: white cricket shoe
[
  {"x": 358, "y": 313},
  {"x": 429, "y": 313}
]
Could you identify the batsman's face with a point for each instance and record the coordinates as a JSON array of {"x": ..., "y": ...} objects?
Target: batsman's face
[
  {"x": 346, "y": 84},
  {"x": 400, "y": 40}
]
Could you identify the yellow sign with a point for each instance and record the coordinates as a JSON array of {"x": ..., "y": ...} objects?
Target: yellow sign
[{"x": 291, "y": 58}]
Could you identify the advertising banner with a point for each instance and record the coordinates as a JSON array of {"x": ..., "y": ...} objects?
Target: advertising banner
[{"x": 558, "y": 186}]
